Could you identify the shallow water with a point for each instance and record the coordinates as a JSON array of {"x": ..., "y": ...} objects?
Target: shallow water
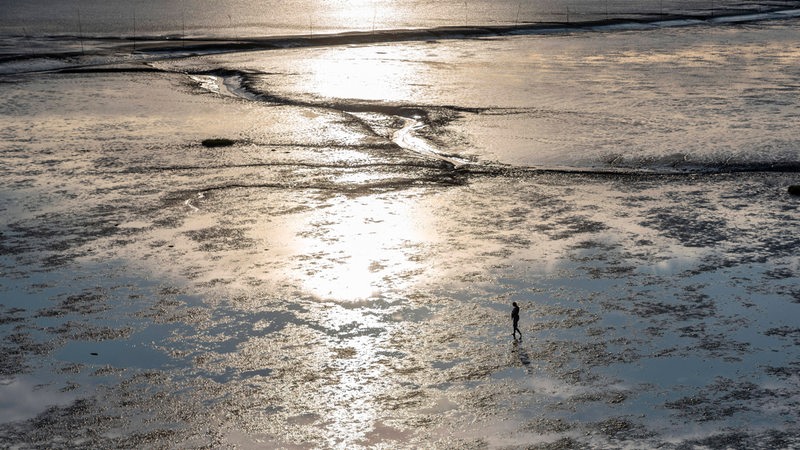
[
  {"x": 317, "y": 285},
  {"x": 674, "y": 99},
  {"x": 238, "y": 18}
]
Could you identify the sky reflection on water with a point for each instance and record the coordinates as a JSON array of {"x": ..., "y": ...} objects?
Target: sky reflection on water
[{"x": 314, "y": 284}]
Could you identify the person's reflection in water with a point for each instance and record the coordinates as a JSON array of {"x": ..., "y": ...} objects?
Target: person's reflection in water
[{"x": 520, "y": 354}]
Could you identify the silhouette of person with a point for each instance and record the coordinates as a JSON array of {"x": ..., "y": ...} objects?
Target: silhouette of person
[{"x": 515, "y": 318}]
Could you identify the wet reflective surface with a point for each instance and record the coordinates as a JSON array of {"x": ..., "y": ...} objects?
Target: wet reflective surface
[
  {"x": 318, "y": 285},
  {"x": 178, "y": 19}
]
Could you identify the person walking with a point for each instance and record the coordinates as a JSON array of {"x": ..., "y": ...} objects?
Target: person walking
[{"x": 515, "y": 318}]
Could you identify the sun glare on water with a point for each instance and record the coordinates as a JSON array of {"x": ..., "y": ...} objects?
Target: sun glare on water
[
  {"x": 358, "y": 249},
  {"x": 374, "y": 73},
  {"x": 365, "y": 15}
]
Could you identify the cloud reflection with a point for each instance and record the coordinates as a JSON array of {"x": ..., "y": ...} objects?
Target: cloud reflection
[{"x": 20, "y": 400}]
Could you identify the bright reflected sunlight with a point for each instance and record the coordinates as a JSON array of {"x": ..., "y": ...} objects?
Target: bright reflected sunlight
[
  {"x": 359, "y": 248},
  {"x": 366, "y": 15},
  {"x": 368, "y": 73}
]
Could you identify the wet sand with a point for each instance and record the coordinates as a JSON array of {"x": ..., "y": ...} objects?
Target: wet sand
[
  {"x": 315, "y": 285},
  {"x": 339, "y": 291}
]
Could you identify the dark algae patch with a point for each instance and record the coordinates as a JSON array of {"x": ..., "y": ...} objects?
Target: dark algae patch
[{"x": 218, "y": 142}]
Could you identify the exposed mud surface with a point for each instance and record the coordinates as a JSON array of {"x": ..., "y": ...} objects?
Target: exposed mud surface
[{"x": 315, "y": 285}]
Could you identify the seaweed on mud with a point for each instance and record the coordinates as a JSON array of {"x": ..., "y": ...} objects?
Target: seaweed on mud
[
  {"x": 60, "y": 259},
  {"x": 718, "y": 344},
  {"x": 547, "y": 425},
  {"x": 779, "y": 273},
  {"x": 475, "y": 371},
  {"x": 12, "y": 361},
  {"x": 566, "y": 443},
  {"x": 686, "y": 227},
  {"x": 794, "y": 293},
  {"x": 572, "y": 361},
  {"x": 574, "y": 225},
  {"x": 24, "y": 343},
  {"x": 692, "y": 306},
  {"x": 790, "y": 371},
  {"x": 168, "y": 222},
  {"x": 738, "y": 440},
  {"x": 62, "y": 427},
  {"x": 610, "y": 271},
  {"x": 17, "y": 347},
  {"x": 87, "y": 302},
  {"x": 170, "y": 291},
  {"x": 70, "y": 368},
  {"x": 760, "y": 247},
  {"x": 590, "y": 244},
  {"x": 611, "y": 265},
  {"x": 785, "y": 332},
  {"x": 572, "y": 318},
  {"x": 20, "y": 344},
  {"x": 724, "y": 398},
  {"x": 399, "y": 401},
  {"x": 86, "y": 332},
  {"x": 217, "y": 238},
  {"x": 784, "y": 244},
  {"x": 610, "y": 397},
  {"x": 741, "y": 391},
  {"x": 702, "y": 409},
  {"x": 87, "y": 423},
  {"x": 621, "y": 428},
  {"x": 107, "y": 370},
  {"x": 597, "y": 354},
  {"x": 10, "y": 315},
  {"x": 62, "y": 235},
  {"x": 715, "y": 262}
]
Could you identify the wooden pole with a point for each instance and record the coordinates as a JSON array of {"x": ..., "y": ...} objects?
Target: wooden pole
[
  {"x": 134, "y": 29},
  {"x": 80, "y": 31}
]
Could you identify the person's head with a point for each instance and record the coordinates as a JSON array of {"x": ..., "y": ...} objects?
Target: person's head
[{"x": 514, "y": 303}]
